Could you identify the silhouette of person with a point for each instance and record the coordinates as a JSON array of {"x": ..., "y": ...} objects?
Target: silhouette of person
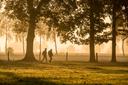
[
  {"x": 44, "y": 53},
  {"x": 67, "y": 56},
  {"x": 96, "y": 57},
  {"x": 50, "y": 54}
]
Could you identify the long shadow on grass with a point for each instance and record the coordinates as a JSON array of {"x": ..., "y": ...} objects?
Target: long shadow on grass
[
  {"x": 107, "y": 71},
  {"x": 21, "y": 65},
  {"x": 13, "y": 79},
  {"x": 96, "y": 67}
]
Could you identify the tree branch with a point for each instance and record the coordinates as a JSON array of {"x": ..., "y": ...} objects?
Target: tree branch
[
  {"x": 30, "y": 5},
  {"x": 41, "y": 3}
]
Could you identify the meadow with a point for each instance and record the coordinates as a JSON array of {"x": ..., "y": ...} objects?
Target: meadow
[{"x": 63, "y": 73}]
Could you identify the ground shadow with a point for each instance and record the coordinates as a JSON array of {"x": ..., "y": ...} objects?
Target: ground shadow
[{"x": 13, "y": 79}]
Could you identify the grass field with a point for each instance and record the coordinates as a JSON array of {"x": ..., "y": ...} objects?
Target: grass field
[{"x": 63, "y": 73}]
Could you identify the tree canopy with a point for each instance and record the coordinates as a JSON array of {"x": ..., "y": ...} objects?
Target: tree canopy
[{"x": 77, "y": 21}]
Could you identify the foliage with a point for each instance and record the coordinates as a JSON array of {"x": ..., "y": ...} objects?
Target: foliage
[
  {"x": 20, "y": 29},
  {"x": 6, "y": 29},
  {"x": 72, "y": 21}
]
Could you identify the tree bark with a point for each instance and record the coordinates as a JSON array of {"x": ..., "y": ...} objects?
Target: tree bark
[
  {"x": 29, "y": 56},
  {"x": 114, "y": 33},
  {"x": 92, "y": 45}
]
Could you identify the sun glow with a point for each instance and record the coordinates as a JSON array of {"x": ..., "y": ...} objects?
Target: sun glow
[{"x": 2, "y": 42}]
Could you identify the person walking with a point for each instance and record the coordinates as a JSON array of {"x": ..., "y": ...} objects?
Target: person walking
[
  {"x": 44, "y": 53},
  {"x": 50, "y": 54}
]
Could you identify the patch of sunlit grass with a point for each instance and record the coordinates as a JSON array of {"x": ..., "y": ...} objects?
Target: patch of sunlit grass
[{"x": 63, "y": 73}]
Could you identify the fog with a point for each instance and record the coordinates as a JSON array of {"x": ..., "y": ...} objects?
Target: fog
[{"x": 62, "y": 48}]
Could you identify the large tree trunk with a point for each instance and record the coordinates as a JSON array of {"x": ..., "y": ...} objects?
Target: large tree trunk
[
  {"x": 92, "y": 45},
  {"x": 114, "y": 33},
  {"x": 29, "y": 56}
]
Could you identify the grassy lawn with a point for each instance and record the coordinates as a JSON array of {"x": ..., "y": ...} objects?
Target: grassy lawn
[{"x": 63, "y": 73}]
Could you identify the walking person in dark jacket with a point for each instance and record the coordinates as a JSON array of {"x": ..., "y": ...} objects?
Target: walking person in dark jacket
[
  {"x": 50, "y": 54},
  {"x": 44, "y": 53}
]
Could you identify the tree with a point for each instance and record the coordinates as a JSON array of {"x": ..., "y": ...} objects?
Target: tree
[
  {"x": 1, "y": 25},
  {"x": 125, "y": 24},
  {"x": 75, "y": 26},
  {"x": 117, "y": 7},
  {"x": 29, "y": 11},
  {"x": 97, "y": 30},
  {"x": 42, "y": 31},
  {"x": 70, "y": 17},
  {"x": 20, "y": 29},
  {"x": 122, "y": 22},
  {"x": 92, "y": 46},
  {"x": 114, "y": 8},
  {"x": 58, "y": 12},
  {"x": 55, "y": 40},
  {"x": 53, "y": 37},
  {"x": 6, "y": 29}
]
